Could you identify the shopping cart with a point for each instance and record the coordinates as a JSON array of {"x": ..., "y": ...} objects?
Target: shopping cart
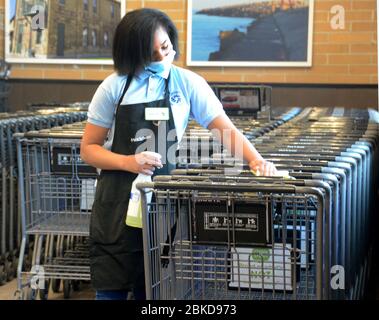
[
  {"x": 57, "y": 191},
  {"x": 341, "y": 155},
  {"x": 10, "y": 219},
  {"x": 222, "y": 240}
]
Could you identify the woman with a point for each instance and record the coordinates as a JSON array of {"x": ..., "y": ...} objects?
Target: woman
[{"x": 144, "y": 101}]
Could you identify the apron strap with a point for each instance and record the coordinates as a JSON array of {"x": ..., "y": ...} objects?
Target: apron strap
[{"x": 126, "y": 87}]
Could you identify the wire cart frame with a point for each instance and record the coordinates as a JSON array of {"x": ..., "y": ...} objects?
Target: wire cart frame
[{"x": 179, "y": 265}]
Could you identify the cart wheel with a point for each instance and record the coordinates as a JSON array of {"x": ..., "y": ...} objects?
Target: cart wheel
[
  {"x": 44, "y": 293},
  {"x": 66, "y": 289},
  {"x": 76, "y": 285},
  {"x": 55, "y": 285},
  {"x": 3, "y": 276}
]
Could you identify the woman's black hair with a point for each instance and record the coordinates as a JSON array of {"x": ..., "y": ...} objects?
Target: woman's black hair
[{"x": 133, "y": 42}]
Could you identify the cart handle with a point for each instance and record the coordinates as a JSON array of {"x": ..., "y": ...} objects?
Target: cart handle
[{"x": 219, "y": 186}]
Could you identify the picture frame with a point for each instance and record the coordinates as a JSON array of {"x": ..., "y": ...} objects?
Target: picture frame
[
  {"x": 62, "y": 31},
  {"x": 245, "y": 33}
]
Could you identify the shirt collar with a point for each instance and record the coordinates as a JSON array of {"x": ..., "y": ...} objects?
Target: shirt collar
[{"x": 146, "y": 73}]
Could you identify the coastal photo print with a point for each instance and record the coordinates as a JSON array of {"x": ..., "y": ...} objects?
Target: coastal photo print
[
  {"x": 61, "y": 31},
  {"x": 250, "y": 33}
]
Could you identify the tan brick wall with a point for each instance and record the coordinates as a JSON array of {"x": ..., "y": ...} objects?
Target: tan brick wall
[{"x": 346, "y": 56}]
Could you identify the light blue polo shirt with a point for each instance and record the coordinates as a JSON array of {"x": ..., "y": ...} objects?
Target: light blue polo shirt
[{"x": 190, "y": 95}]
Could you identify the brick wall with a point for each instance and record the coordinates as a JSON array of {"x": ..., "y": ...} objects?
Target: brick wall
[{"x": 346, "y": 56}]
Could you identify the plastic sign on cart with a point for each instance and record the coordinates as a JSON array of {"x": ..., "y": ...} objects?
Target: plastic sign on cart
[
  {"x": 262, "y": 268},
  {"x": 88, "y": 194}
]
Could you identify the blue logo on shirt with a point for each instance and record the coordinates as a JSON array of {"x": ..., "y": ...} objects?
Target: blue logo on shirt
[{"x": 176, "y": 97}]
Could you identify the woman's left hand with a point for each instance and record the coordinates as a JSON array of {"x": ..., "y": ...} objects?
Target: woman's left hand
[{"x": 262, "y": 167}]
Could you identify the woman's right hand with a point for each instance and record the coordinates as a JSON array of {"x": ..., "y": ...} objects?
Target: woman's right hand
[
  {"x": 144, "y": 162},
  {"x": 261, "y": 167}
]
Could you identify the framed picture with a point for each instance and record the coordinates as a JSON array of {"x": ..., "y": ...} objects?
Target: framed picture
[
  {"x": 61, "y": 31},
  {"x": 256, "y": 33}
]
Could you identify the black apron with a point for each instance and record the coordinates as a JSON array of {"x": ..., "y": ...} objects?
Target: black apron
[{"x": 116, "y": 250}]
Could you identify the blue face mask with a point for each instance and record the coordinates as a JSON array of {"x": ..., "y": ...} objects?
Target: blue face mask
[{"x": 162, "y": 67}]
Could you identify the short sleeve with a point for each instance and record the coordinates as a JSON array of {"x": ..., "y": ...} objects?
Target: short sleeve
[
  {"x": 101, "y": 109},
  {"x": 205, "y": 106}
]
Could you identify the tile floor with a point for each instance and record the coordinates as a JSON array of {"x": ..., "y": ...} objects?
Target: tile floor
[{"x": 85, "y": 293}]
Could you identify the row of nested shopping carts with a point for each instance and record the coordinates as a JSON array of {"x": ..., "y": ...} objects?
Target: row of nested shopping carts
[
  {"x": 11, "y": 232},
  {"x": 57, "y": 192},
  {"x": 215, "y": 231}
]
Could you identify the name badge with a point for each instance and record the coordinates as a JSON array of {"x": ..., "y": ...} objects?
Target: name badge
[{"x": 157, "y": 114}]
